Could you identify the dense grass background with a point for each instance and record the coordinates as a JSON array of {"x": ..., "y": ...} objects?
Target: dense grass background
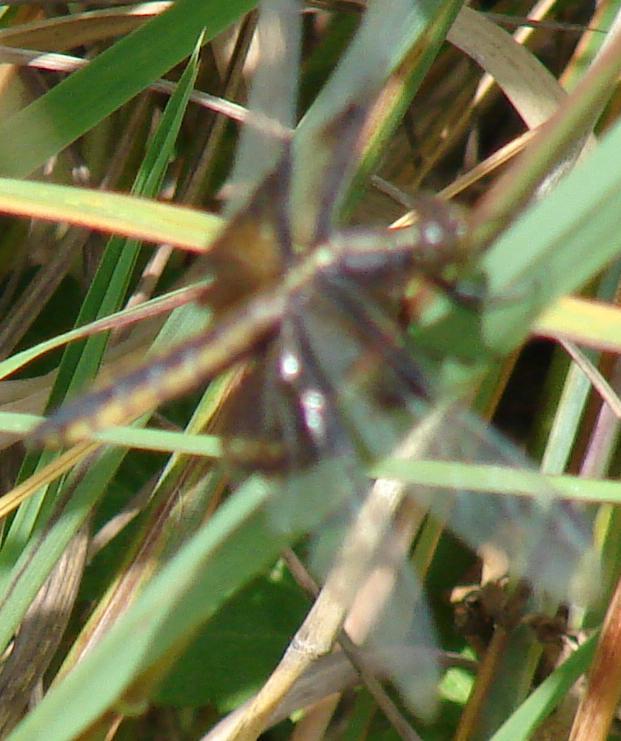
[{"x": 136, "y": 596}]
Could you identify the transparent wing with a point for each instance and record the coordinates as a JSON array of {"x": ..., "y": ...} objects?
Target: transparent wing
[
  {"x": 341, "y": 389},
  {"x": 252, "y": 249},
  {"x": 330, "y": 129},
  {"x": 324, "y": 474},
  {"x": 377, "y": 392},
  {"x": 273, "y": 99}
]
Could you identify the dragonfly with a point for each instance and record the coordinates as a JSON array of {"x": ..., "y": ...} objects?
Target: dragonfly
[{"x": 334, "y": 378}]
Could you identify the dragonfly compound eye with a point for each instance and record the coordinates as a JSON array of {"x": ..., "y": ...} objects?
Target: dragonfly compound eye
[{"x": 442, "y": 231}]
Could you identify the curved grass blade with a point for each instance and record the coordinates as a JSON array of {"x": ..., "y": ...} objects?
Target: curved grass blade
[
  {"x": 33, "y": 135},
  {"x": 342, "y": 379}
]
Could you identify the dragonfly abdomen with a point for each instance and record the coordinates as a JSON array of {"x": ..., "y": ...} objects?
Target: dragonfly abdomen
[{"x": 183, "y": 369}]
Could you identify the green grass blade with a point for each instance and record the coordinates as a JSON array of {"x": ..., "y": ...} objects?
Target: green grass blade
[
  {"x": 213, "y": 564},
  {"x": 524, "y": 721},
  {"x": 19, "y": 360},
  {"x": 76, "y": 105},
  {"x": 555, "y": 247},
  {"x": 80, "y": 361},
  {"x": 110, "y": 212}
]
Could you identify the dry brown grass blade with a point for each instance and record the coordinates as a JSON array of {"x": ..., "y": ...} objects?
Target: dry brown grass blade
[
  {"x": 558, "y": 145},
  {"x": 531, "y": 88},
  {"x": 69, "y": 32},
  {"x": 40, "y": 633},
  {"x": 329, "y": 676},
  {"x": 599, "y": 704},
  {"x": 327, "y": 616},
  {"x": 355, "y": 630},
  {"x": 67, "y": 63},
  {"x": 60, "y": 465}
]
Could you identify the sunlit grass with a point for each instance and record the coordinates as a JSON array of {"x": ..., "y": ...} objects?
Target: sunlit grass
[{"x": 180, "y": 553}]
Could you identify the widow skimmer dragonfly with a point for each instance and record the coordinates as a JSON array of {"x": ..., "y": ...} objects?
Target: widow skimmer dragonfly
[{"x": 338, "y": 381}]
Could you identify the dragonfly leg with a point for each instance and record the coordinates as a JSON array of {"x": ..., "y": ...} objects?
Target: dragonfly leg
[{"x": 467, "y": 295}]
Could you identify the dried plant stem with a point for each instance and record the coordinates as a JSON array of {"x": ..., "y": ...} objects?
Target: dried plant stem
[
  {"x": 323, "y": 624},
  {"x": 325, "y": 619},
  {"x": 348, "y": 642},
  {"x": 599, "y": 704},
  {"x": 485, "y": 677}
]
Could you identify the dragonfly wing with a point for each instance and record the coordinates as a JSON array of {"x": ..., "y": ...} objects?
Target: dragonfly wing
[
  {"x": 323, "y": 473},
  {"x": 273, "y": 99},
  {"x": 547, "y": 540},
  {"x": 300, "y": 405},
  {"x": 346, "y": 101},
  {"x": 376, "y": 389},
  {"x": 250, "y": 251}
]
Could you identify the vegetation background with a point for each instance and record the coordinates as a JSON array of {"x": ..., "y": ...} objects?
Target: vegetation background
[{"x": 138, "y": 600}]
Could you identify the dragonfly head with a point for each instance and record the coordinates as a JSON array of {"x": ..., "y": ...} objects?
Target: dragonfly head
[{"x": 436, "y": 237}]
